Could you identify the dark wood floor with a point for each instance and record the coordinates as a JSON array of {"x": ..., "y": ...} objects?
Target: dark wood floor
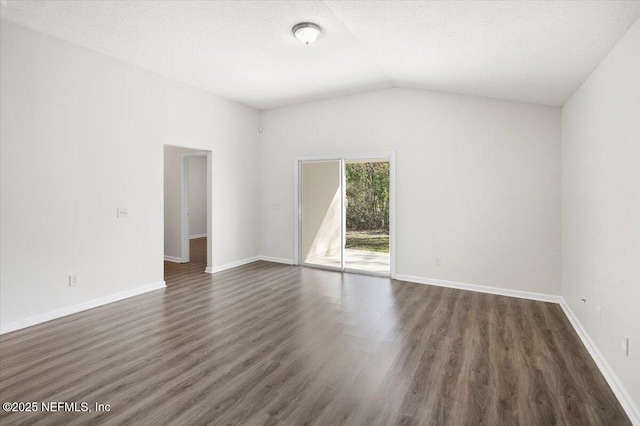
[{"x": 274, "y": 344}]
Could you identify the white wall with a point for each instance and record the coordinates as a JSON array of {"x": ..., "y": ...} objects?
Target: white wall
[
  {"x": 601, "y": 206},
  {"x": 321, "y": 209},
  {"x": 478, "y": 180},
  {"x": 197, "y": 196},
  {"x": 83, "y": 134}
]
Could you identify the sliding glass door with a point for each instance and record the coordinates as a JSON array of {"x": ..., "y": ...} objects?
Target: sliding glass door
[
  {"x": 321, "y": 207},
  {"x": 367, "y": 202},
  {"x": 344, "y": 214}
]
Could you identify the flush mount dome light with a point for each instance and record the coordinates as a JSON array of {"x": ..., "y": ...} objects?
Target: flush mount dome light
[{"x": 306, "y": 32}]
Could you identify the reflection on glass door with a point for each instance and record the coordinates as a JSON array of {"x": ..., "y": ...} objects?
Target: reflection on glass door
[{"x": 321, "y": 213}]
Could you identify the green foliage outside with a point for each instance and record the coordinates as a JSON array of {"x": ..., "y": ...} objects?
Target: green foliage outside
[
  {"x": 367, "y": 196},
  {"x": 368, "y": 206}
]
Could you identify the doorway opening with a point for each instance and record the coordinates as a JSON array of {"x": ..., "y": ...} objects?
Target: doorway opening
[
  {"x": 346, "y": 213},
  {"x": 187, "y": 206}
]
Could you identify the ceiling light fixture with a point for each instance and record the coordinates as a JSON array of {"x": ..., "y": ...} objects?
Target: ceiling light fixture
[{"x": 306, "y": 32}]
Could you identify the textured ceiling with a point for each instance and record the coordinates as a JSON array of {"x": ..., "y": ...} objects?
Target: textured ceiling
[{"x": 530, "y": 51}]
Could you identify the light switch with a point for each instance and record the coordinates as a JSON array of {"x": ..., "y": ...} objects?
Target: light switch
[{"x": 74, "y": 280}]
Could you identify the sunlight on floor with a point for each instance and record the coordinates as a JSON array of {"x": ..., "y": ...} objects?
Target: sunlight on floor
[{"x": 355, "y": 259}]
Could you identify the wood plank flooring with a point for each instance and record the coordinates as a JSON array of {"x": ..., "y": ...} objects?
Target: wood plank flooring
[{"x": 268, "y": 344}]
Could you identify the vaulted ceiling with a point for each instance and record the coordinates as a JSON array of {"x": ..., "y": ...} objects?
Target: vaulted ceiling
[{"x": 531, "y": 51}]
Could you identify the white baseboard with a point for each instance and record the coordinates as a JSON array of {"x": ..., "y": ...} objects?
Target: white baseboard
[
  {"x": 173, "y": 259},
  {"x": 610, "y": 376},
  {"x": 277, "y": 260},
  {"x": 213, "y": 270},
  {"x": 194, "y": 236},
  {"x": 48, "y": 316},
  {"x": 542, "y": 297}
]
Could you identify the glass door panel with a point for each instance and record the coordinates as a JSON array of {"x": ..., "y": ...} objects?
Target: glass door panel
[
  {"x": 367, "y": 206},
  {"x": 321, "y": 213}
]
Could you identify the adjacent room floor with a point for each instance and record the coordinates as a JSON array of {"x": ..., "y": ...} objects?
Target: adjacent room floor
[{"x": 275, "y": 344}]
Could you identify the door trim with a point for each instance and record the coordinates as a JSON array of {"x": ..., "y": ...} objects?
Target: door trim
[
  {"x": 184, "y": 206},
  {"x": 389, "y": 156}
]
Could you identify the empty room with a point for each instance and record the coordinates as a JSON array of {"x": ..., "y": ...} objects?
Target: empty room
[{"x": 319, "y": 212}]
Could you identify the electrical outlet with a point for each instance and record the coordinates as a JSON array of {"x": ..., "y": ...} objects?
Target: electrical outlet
[
  {"x": 74, "y": 280},
  {"x": 123, "y": 212},
  {"x": 625, "y": 344},
  {"x": 438, "y": 261}
]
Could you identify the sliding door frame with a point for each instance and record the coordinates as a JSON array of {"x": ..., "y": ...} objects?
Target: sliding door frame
[{"x": 389, "y": 156}]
